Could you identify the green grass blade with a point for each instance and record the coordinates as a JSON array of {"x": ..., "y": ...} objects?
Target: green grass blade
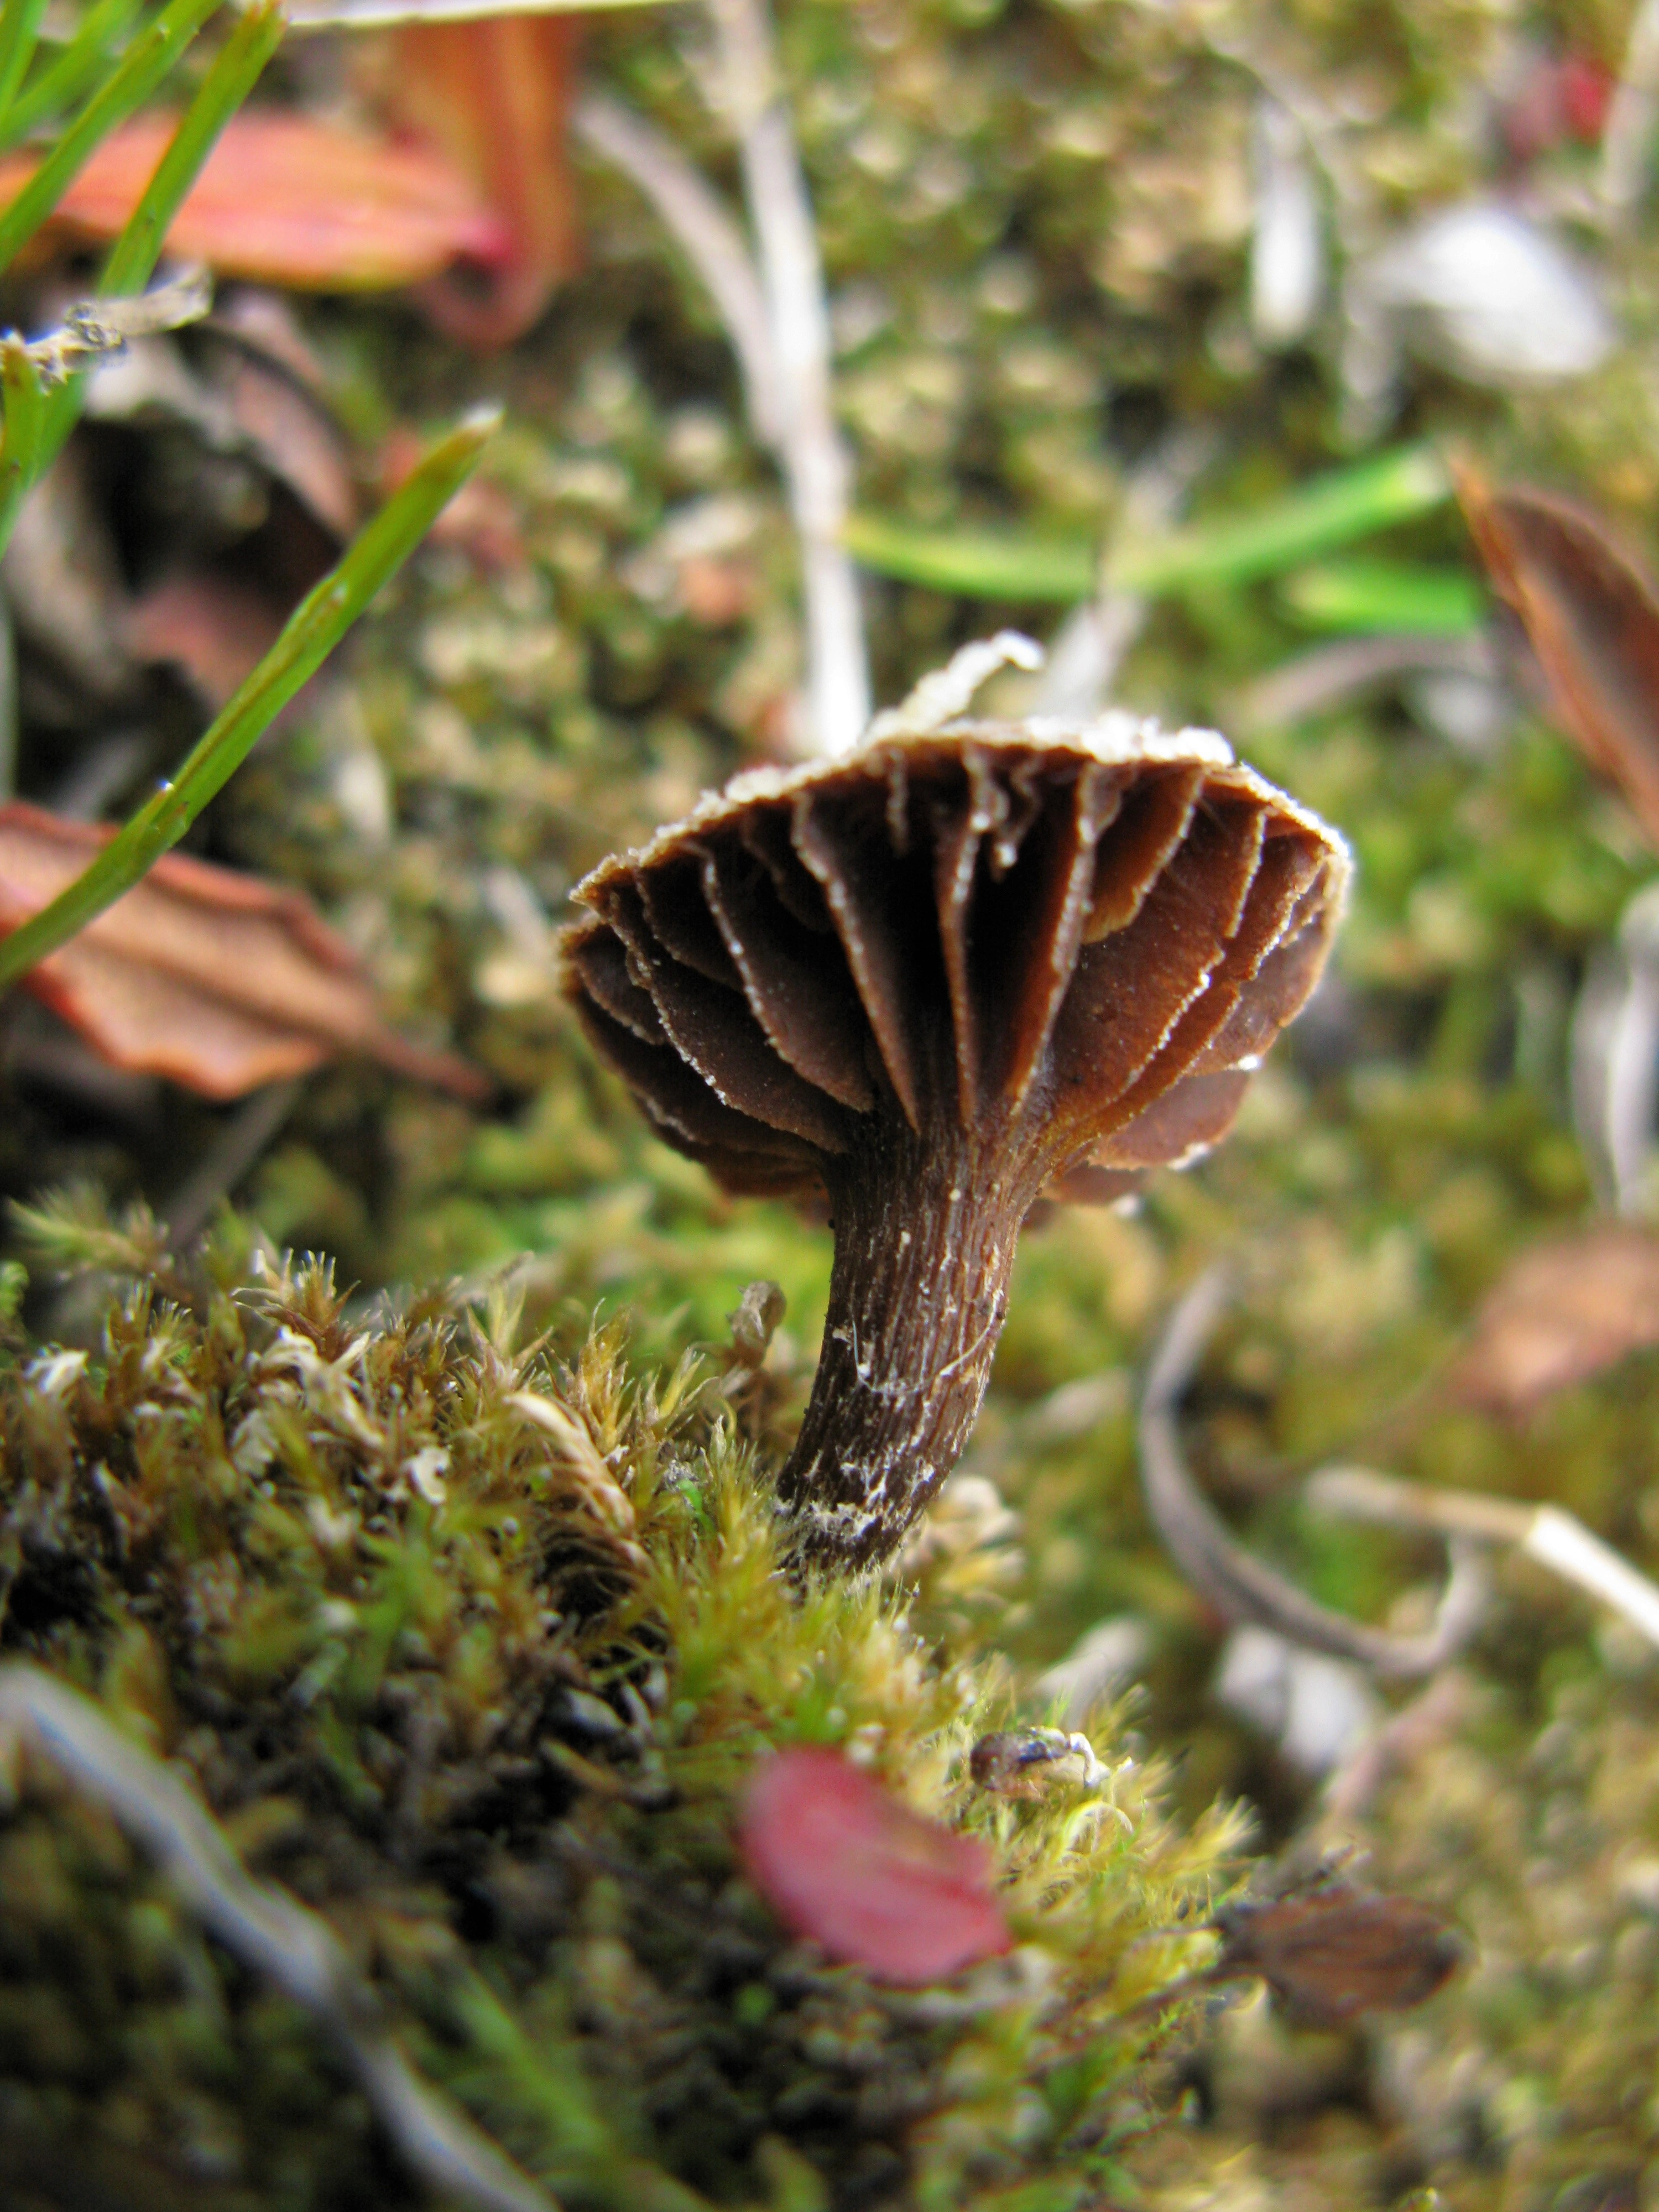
[
  {"x": 1385, "y": 597},
  {"x": 19, "y": 27},
  {"x": 312, "y": 631},
  {"x": 235, "y": 71},
  {"x": 148, "y": 60},
  {"x": 132, "y": 259},
  {"x": 998, "y": 564},
  {"x": 67, "y": 75},
  {"x": 980, "y": 564},
  {"x": 1329, "y": 510}
]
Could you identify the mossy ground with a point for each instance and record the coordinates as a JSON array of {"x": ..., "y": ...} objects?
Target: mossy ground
[
  {"x": 1035, "y": 223},
  {"x": 473, "y": 1652}
]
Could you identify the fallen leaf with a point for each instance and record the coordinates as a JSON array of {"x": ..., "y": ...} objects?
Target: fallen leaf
[
  {"x": 841, "y": 1861},
  {"x": 1334, "y": 1950},
  {"x": 1562, "y": 1313},
  {"x": 291, "y": 201},
  {"x": 1591, "y": 616},
  {"x": 214, "y": 629},
  {"x": 217, "y": 980},
  {"x": 492, "y": 96}
]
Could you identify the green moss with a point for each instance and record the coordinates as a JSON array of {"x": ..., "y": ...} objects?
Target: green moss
[{"x": 474, "y": 1652}]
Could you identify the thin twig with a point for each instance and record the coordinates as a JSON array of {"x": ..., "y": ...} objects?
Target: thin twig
[
  {"x": 1240, "y": 1586},
  {"x": 817, "y": 469},
  {"x": 102, "y": 329},
  {"x": 696, "y": 217},
  {"x": 1331, "y": 676},
  {"x": 294, "y": 1948},
  {"x": 1555, "y": 1538}
]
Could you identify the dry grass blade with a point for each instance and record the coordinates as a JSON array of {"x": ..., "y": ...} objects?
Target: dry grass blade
[{"x": 217, "y": 980}]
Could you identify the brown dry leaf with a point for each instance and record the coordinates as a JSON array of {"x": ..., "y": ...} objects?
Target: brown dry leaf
[
  {"x": 219, "y": 981},
  {"x": 493, "y": 94},
  {"x": 1591, "y": 616},
  {"x": 1333, "y": 1950},
  {"x": 291, "y": 201},
  {"x": 1564, "y": 1312}
]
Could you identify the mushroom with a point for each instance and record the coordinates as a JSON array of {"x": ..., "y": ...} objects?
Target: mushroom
[{"x": 969, "y": 965}]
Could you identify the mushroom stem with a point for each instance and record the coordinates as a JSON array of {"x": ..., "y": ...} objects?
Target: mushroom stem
[{"x": 925, "y": 1236}]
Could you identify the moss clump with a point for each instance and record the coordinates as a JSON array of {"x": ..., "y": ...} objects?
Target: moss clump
[{"x": 472, "y": 1651}]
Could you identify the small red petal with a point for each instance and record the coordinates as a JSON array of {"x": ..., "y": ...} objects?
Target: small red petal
[{"x": 871, "y": 1883}]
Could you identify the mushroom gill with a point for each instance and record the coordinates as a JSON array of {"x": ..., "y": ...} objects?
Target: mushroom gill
[{"x": 969, "y": 965}]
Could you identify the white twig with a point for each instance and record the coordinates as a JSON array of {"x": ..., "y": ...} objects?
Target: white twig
[
  {"x": 1555, "y": 1538},
  {"x": 696, "y": 218},
  {"x": 99, "y": 330},
  {"x": 1240, "y": 1586},
  {"x": 815, "y": 461},
  {"x": 294, "y": 1948}
]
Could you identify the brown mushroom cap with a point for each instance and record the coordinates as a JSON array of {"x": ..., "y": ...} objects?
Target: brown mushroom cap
[{"x": 931, "y": 981}]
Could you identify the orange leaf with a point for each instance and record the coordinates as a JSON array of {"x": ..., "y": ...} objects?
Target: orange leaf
[
  {"x": 1591, "y": 616},
  {"x": 493, "y": 94},
  {"x": 219, "y": 981},
  {"x": 290, "y": 200},
  {"x": 1564, "y": 1312}
]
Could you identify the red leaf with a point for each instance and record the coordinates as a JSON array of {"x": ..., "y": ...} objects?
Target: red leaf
[
  {"x": 874, "y": 1885},
  {"x": 493, "y": 94},
  {"x": 290, "y": 200},
  {"x": 217, "y": 980},
  {"x": 1562, "y": 1313}
]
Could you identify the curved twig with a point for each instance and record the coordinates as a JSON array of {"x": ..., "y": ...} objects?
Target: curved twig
[
  {"x": 1244, "y": 1588},
  {"x": 712, "y": 240},
  {"x": 294, "y": 1948}
]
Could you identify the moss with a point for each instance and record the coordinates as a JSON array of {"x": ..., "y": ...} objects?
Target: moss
[{"x": 474, "y": 1650}]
